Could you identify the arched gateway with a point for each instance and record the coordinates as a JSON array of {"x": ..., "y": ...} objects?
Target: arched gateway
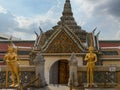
[{"x": 59, "y": 72}]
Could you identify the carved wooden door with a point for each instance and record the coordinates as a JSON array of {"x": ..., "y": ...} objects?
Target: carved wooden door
[{"x": 63, "y": 72}]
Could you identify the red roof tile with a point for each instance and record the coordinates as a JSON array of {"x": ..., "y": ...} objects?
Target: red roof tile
[
  {"x": 4, "y": 44},
  {"x": 109, "y": 43},
  {"x": 2, "y": 55}
]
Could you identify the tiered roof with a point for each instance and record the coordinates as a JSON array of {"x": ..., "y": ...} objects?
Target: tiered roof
[
  {"x": 66, "y": 20},
  {"x": 63, "y": 40}
]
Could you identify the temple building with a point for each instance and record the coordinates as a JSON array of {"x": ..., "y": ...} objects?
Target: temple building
[
  {"x": 57, "y": 44},
  {"x": 110, "y": 50}
]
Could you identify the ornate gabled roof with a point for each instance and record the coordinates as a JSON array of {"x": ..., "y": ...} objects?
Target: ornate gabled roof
[
  {"x": 70, "y": 30},
  {"x": 63, "y": 40}
]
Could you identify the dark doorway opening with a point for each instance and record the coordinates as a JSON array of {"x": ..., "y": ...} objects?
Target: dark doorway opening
[{"x": 59, "y": 72}]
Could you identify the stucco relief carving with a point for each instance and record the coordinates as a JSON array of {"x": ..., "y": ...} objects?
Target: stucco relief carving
[{"x": 62, "y": 44}]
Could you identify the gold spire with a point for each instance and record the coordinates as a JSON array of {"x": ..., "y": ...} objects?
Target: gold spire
[
  {"x": 67, "y": 15},
  {"x": 67, "y": 9},
  {"x": 11, "y": 45},
  {"x": 91, "y": 47},
  {"x": 91, "y": 40},
  {"x": 68, "y": 19}
]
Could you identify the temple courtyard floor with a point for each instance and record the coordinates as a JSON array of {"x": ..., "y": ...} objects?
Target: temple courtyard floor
[{"x": 63, "y": 87}]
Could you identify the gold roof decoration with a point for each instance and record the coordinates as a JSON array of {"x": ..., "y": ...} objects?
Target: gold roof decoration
[{"x": 63, "y": 40}]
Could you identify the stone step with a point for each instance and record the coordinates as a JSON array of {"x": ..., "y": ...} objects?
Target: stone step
[
  {"x": 9, "y": 89},
  {"x": 100, "y": 89}
]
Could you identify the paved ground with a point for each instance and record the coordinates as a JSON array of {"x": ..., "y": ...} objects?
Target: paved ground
[
  {"x": 53, "y": 87},
  {"x": 102, "y": 89},
  {"x": 61, "y": 87}
]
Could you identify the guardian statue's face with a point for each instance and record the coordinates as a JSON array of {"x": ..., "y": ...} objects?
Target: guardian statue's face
[
  {"x": 91, "y": 49},
  {"x": 10, "y": 49}
]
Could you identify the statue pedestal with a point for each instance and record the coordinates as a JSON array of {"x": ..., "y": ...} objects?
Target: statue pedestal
[
  {"x": 87, "y": 85},
  {"x": 93, "y": 89},
  {"x": 100, "y": 89},
  {"x": 10, "y": 88}
]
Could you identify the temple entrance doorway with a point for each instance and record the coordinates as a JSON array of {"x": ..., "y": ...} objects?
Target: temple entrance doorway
[{"x": 59, "y": 72}]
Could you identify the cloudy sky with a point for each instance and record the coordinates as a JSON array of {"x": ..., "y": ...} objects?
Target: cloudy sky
[{"x": 20, "y": 18}]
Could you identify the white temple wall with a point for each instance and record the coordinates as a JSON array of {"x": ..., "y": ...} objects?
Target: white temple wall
[{"x": 50, "y": 60}]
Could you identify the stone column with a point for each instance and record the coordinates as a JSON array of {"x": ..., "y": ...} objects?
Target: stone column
[
  {"x": 39, "y": 63},
  {"x": 73, "y": 75}
]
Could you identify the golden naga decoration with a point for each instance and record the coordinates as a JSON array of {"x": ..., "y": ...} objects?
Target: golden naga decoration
[
  {"x": 12, "y": 63},
  {"x": 91, "y": 58}
]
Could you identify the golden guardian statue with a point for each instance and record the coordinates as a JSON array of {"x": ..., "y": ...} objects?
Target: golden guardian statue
[
  {"x": 91, "y": 58},
  {"x": 12, "y": 64}
]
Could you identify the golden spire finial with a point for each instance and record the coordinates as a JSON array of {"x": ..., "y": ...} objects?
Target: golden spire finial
[
  {"x": 91, "y": 40},
  {"x": 11, "y": 45},
  {"x": 91, "y": 47}
]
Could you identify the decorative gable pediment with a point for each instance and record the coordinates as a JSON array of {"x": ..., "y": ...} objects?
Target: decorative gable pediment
[{"x": 63, "y": 41}]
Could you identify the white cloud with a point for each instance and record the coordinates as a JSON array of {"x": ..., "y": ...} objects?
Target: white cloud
[
  {"x": 17, "y": 26},
  {"x": 24, "y": 27},
  {"x": 102, "y": 14},
  {"x": 49, "y": 19},
  {"x": 83, "y": 7},
  {"x": 117, "y": 35},
  {"x": 3, "y": 10},
  {"x": 24, "y": 22},
  {"x": 23, "y": 35}
]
